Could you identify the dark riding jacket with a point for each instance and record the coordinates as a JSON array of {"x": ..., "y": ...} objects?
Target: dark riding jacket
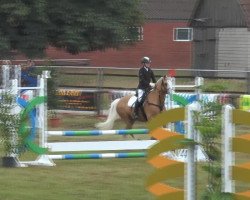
[{"x": 145, "y": 76}]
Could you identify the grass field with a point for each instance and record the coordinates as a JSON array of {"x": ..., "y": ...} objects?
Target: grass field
[
  {"x": 77, "y": 180},
  {"x": 106, "y": 179}
]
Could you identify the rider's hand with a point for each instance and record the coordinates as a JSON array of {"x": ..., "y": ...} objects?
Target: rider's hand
[{"x": 152, "y": 84}]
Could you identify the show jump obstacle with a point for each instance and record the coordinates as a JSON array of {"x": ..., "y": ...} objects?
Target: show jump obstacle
[
  {"x": 231, "y": 144},
  {"x": 196, "y": 87},
  {"x": 12, "y": 84},
  {"x": 167, "y": 168},
  {"x": 134, "y": 148},
  {"x": 91, "y": 146}
]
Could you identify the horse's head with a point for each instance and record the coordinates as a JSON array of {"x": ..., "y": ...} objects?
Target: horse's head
[{"x": 162, "y": 85}]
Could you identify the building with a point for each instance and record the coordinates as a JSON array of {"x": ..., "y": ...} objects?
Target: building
[
  {"x": 221, "y": 35},
  {"x": 165, "y": 37}
]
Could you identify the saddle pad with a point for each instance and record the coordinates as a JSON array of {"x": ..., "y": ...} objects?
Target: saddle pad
[{"x": 131, "y": 101}]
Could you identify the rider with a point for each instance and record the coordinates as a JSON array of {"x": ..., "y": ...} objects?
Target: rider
[{"x": 145, "y": 76}]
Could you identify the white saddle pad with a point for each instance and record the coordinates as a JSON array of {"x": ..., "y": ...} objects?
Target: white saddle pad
[{"x": 131, "y": 101}]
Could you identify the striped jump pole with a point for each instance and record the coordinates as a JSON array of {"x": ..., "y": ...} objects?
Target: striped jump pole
[
  {"x": 128, "y": 145},
  {"x": 97, "y": 156},
  {"x": 99, "y": 132}
]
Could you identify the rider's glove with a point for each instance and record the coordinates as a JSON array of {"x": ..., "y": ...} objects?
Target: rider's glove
[{"x": 152, "y": 84}]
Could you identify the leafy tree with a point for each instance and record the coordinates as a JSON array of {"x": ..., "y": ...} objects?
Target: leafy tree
[{"x": 29, "y": 26}]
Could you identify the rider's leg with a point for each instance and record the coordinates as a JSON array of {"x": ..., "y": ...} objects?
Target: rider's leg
[
  {"x": 138, "y": 102},
  {"x": 136, "y": 109}
]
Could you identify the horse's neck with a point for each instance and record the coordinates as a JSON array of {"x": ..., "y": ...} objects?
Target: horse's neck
[
  {"x": 156, "y": 96},
  {"x": 162, "y": 96},
  {"x": 159, "y": 90}
]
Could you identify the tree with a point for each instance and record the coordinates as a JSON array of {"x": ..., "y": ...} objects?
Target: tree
[{"x": 29, "y": 26}]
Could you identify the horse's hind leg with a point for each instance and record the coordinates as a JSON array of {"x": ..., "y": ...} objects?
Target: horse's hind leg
[{"x": 129, "y": 124}]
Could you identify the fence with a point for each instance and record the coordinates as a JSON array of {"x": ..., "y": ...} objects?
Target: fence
[
  {"x": 101, "y": 75},
  {"x": 96, "y": 83},
  {"x": 90, "y": 88}
]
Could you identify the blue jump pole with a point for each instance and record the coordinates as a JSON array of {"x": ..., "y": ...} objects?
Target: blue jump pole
[
  {"x": 98, "y": 156},
  {"x": 99, "y": 132}
]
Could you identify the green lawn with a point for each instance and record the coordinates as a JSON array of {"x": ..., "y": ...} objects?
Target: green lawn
[
  {"x": 103, "y": 179},
  {"x": 106, "y": 179},
  {"x": 77, "y": 180}
]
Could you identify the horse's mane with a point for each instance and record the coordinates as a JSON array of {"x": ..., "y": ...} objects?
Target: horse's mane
[
  {"x": 159, "y": 80},
  {"x": 158, "y": 84}
]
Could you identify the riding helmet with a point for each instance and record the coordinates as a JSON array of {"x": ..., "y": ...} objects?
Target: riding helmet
[{"x": 145, "y": 59}]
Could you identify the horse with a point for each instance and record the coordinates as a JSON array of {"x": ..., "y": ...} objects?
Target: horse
[{"x": 152, "y": 105}]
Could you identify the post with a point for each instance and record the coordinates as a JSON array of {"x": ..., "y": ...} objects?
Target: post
[
  {"x": 42, "y": 116},
  {"x": 199, "y": 81},
  {"x": 170, "y": 101},
  {"x": 171, "y": 91},
  {"x": 248, "y": 81},
  {"x": 99, "y": 92},
  {"x": 191, "y": 153},
  {"x": 228, "y": 130},
  {"x": 17, "y": 74},
  {"x": 5, "y": 76}
]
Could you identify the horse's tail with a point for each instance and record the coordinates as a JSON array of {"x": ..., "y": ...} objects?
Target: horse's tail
[{"x": 112, "y": 116}]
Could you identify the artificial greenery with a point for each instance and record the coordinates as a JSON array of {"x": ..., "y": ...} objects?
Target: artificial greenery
[
  {"x": 9, "y": 124},
  {"x": 208, "y": 124}
]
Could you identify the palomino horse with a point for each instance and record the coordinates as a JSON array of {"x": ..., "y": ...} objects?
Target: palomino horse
[{"x": 153, "y": 104}]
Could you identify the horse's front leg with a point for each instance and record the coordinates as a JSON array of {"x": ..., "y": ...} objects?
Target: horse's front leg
[{"x": 150, "y": 116}]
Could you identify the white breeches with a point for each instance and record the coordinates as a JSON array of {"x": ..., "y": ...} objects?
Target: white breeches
[{"x": 140, "y": 93}]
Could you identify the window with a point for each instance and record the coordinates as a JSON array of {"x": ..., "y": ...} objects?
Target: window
[
  {"x": 136, "y": 30},
  {"x": 140, "y": 33},
  {"x": 183, "y": 34}
]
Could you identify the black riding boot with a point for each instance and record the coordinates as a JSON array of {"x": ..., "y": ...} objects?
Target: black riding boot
[{"x": 136, "y": 109}]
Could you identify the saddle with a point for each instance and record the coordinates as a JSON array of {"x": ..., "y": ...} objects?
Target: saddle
[
  {"x": 132, "y": 102},
  {"x": 133, "y": 99}
]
